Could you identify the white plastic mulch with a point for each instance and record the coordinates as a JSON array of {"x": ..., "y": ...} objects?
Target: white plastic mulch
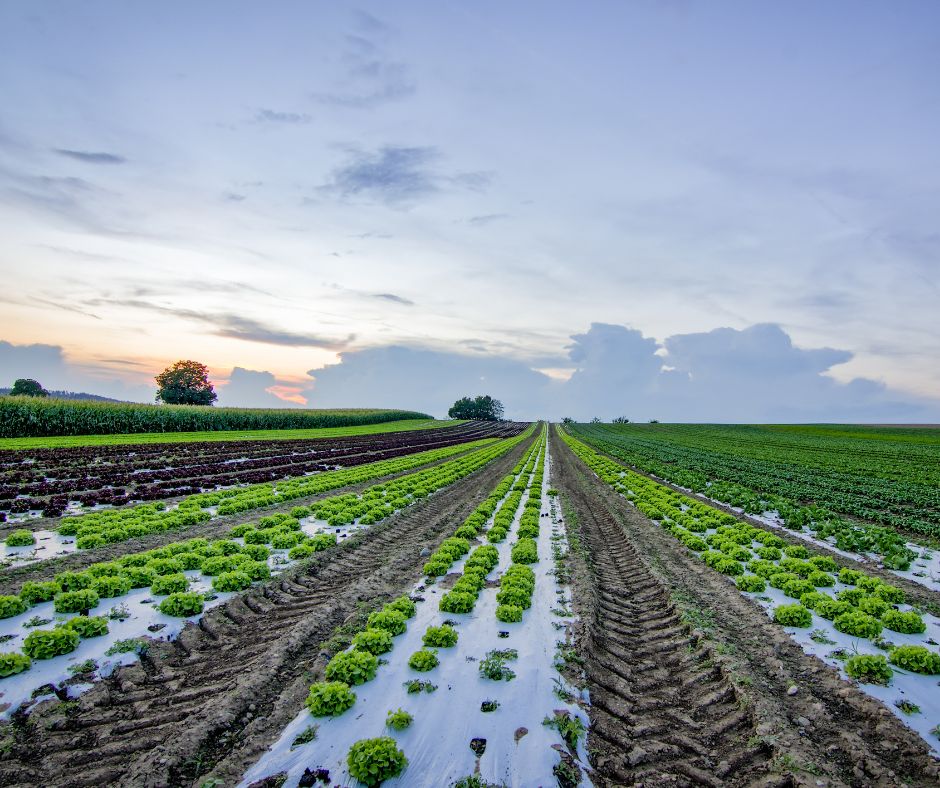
[{"x": 519, "y": 748}]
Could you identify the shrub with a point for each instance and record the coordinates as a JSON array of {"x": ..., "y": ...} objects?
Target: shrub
[
  {"x": 403, "y": 605},
  {"x": 869, "y": 668},
  {"x": 858, "y": 624},
  {"x": 373, "y": 640},
  {"x": 509, "y": 613},
  {"x": 908, "y": 623},
  {"x": 440, "y": 637},
  {"x": 751, "y": 583},
  {"x": 917, "y": 659},
  {"x": 398, "y": 720},
  {"x": 34, "y": 592},
  {"x": 12, "y": 606},
  {"x": 48, "y": 643},
  {"x": 12, "y": 663},
  {"x": 393, "y": 621},
  {"x": 112, "y": 586},
  {"x": 890, "y": 594},
  {"x": 88, "y": 626},
  {"x": 457, "y": 602},
  {"x": 182, "y": 604},
  {"x": 75, "y": 601},
  {"x": 423, "y": 660},
  {"x": 169, "y": 584},
  {"x": 231, "y": 581},
  {"x": 330, "y": 698},
  {"x": 20, "y": 538},
  {"x": 372, "y": 761},
  {"x": 793, "y": 616}
]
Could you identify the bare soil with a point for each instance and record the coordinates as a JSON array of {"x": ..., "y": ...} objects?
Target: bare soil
[
  {"x": 216, "y": 697},
  {"x": 690, "y": 681}
]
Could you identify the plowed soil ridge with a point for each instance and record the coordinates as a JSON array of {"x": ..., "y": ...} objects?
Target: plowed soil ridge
[
  {"x": 170, "y": 718},
  {"x": 662, "y": 713}
]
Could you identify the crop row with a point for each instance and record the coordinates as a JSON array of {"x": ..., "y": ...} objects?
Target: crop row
[
  {"x": 233, "y": 565},
  {"x": 803, "y": 494},
  {"x": 117, "y": 525},
  {"x": 49, "y": 481},
  {"x": 756, "y": 558},
  {"x": 44, "y": 416},
  {"x": 373, "y": 760}
]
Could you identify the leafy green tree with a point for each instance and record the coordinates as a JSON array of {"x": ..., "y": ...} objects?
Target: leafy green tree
[
  {"x": 567, "y": 420},
  {"x": 27, "y": 387},
  {"x": 185, "y": 383},
  {"x": 483, "y": 408},
  {"x": 621, "y": 420}
]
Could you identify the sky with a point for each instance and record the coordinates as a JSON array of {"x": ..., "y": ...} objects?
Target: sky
[{"x": 717, "y": 211}]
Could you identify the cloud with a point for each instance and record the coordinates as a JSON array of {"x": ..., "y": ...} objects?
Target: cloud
[
  {"x": 235, "y": 326},
  {"x": 91, "y": 157},
  {"x": 396, "y": 174},
  {"x": 426, "y": 380},
  {"x": 486, "y": 218},
  {"x": 49, "y": 365},
  {"x": 273, "y": 116},
  {"x": 394, "y": 298},
  {"x": 233, "y": 197},
  {"x": 248, "y": 388},
  {"x": 753, "y": 375},
  {"x": 391, "y": 174},
  {"x": 370, "y": 77}
]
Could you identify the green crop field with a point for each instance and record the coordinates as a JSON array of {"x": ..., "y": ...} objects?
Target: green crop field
[
  {"x": 36, "y": 417},
  {"x": 884, "y": 475}
]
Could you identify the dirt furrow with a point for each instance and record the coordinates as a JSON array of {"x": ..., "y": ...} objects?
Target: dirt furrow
[
  {"x": 739, "y": 702},
  {"x": 238, "y": 677}
]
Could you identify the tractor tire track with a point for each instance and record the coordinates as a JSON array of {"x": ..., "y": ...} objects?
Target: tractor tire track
[{"x": 662, "y": 712}]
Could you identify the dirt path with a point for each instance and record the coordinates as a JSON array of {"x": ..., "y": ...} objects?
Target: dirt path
[
  {"x": 231, "y": 683},
  {"x": 692, "y": 684}
]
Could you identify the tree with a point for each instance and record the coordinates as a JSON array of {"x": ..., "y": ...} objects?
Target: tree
[
  {"x": 621, "y": 420},
  {"x": 185, "y": 383},
  {"x": 567, "y": 420},
  {"x": 596, "y": 420},
  {"x": 483, "y": 408},
  {"x": 27, "y": 387}
]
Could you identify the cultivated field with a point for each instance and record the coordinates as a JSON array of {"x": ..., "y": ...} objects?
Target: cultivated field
[{"x": 483, "y": 603}]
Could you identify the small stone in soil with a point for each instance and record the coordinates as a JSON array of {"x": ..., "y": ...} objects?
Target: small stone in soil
[
  {"x": 792, "y": 690},
  {"x": 520, "y": 732},
  {"x": 156, "y": 627}
]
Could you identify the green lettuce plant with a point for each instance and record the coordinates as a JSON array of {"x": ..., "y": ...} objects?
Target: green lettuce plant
[
  {"x": 857, "y": 623},
  {"x": 423, "y": 660},
  {"x": 12, "y": 606},
  {"x": 75, "y": 601},
  {"x": 330, "y": 698},
  {"x": 48, "y": 643},
  {"x": 908, "y": 622},
  {"x": 869, "y": 668},
  {"x": 169, "y": 584},
  {"x": 88, "y": 626},
  {"x": 374, "y": 640},
  {"x": 440, "y": 637},
  {"x": 12, "y": 663},
  {"x": 231, "y": 581},
  {"x": 20, "y": 538},
  {"x": 917, "y": 659},
  {"x": 393, "y": 621},
  {"x": 372, "y": 761},
  {"x": 793, "y": 616},
  {"x": 182, "y": 604},
  {"x": 398, "y": 720},
  {"x": 352, "y": 667}
]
